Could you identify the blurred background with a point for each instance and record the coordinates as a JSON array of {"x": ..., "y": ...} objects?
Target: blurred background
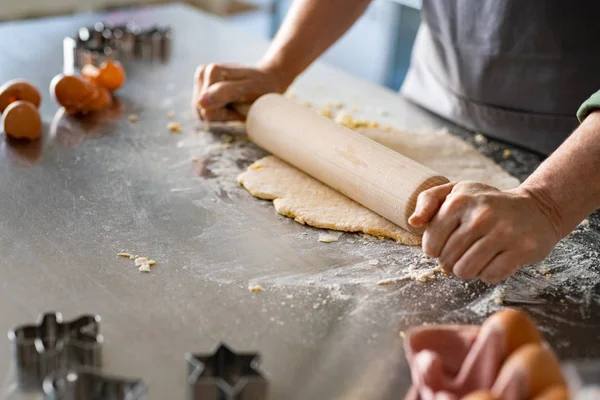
[{"x": 376, "y": 49}]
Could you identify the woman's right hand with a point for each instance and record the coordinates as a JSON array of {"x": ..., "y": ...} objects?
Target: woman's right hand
[{"x": 217, "y": 86}]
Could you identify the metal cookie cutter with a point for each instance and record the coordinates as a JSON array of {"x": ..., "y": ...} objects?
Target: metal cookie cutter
[
  {"x": 225, "y": 375},
  {"x": 86, "y": 384},
  {"x": 53, "y": 345},
  {"x": 104, "y": 41}
]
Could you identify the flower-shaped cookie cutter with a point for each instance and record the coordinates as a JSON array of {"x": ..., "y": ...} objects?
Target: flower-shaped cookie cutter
[
  {"x": 88, "y": 384},
  {"x": 54, "y": 345}
]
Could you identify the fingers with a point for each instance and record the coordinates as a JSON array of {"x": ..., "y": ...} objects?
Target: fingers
[
  {"x": 219, "y": 114},
  {"x": 500, "y": 267},
  {"x": 475, "y": 259},
  {"x": 478, "y": 222},
  {"x": 428, "y": 204},
  {"x": 457, "y": 244},
  {"x": 444, "y": 223},
  {"x": 212, "y": 74},
  {"x": 221, "y": 94}
]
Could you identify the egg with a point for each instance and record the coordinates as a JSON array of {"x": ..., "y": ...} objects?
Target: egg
[
  {"x": 556, "y": 392},
  {"x": 532, "y": 368},
  {"x": 479, "y": 395},
  {"x": 100, "y": 100},
  {"x": 91, "y": 73},
  {"x": 518, "y": 329},
  {"x": 21, "y": 120},
  {"x": 19, "y": 89},
  {"x": 111, "y": 75},
  {"x": 71, "y": 91}
]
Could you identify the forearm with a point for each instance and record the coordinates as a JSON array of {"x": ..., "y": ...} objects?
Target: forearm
[
  {"x": 309, "y": 29},
  {"x": 567, "y": 184}
]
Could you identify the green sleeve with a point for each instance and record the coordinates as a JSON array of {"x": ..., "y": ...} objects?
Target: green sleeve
[{"x": 591, "y": 104}]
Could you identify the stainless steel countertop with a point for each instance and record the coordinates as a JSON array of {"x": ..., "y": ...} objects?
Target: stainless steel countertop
[{"x": 324, "y": 328}]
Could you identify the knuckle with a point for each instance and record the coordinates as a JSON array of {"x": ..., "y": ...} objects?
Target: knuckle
[
  {"x": 481, "y": 216},
  {"x": 504, "y": 229},
  {"x": 528, "y": 245},
  {"x": 457, "y": 201},
  {"x": 199, "y": 72},
  {"x": 212, "y": 71}
]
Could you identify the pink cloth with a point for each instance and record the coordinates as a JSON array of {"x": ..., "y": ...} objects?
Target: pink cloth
[{"x": 448, "y": 362}]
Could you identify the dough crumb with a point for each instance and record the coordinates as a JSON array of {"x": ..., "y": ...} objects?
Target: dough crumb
[
  {"x": 427, "y": 275},
  {"x": 585, "y": 223},
  {"x": 133, "y": 118},
  {"x": 316, "y": 305},
  {"x": 347, "y": 120},
  {"x": 506, "y": 153},
  {"x": 326, "y": 112},
  {"x": 290, "y": 94},
  {"x": 480, "y": 139},
  {"x": 330, "y": 236},
  {"x": 373, "y": 262},
  {"x": 143, "y": 263},
  {"x": 174, "y": 127},
  {"x": 140, "y": 261},
  {"x": 170, "y": 115},
  {"x": 499, "y": 297},
  {"x": 255, "y": 288},
  {"x": 337, "y": 105},
  {"x": 393, "y": 280},
  {"x": 306, "y": 104},
  {"x": 144, "y": 268},
  {"x": 402, "y": 334}
]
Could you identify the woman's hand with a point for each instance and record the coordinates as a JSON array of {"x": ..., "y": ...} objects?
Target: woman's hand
[
  {"x": 476, "y": 230},
  {"x": 216, "y": 87}
]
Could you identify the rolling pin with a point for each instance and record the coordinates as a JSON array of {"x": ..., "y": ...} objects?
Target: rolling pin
[{"x": 381, "y": 179}]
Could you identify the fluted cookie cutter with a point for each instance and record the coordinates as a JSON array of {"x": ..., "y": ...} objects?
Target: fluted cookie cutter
[
  {"x": 225, "y": 375},
  {"x": 87, "y": 384},
  {"x": 54, "y": 345},
  {"x": 104, "y": 41}
]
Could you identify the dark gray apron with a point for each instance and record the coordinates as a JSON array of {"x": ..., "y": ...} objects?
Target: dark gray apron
[{"x": 516, "y": 70}]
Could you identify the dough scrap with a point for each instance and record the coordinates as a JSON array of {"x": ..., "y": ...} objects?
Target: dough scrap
[{"x": 308, "y": 201}]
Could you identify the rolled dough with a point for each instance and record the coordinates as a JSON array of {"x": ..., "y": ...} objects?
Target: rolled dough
[{"x": 308, "y": 201}]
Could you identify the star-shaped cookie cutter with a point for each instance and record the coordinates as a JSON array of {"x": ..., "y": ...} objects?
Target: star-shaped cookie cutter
[
  {"x": 54, "y": 345},
  {"x": 225, "y": 375},
  {"x": 87, "y": 384}
]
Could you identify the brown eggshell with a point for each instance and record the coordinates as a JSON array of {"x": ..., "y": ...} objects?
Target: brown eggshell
[
  {"x": 21, "y": 120},
  {"x": 19, "y": 89},
  {"x": 100, "y": 100},
  {"x": 518, "y": 328},
  {"x": 91, "y": 73},
  {"x": 71, "y": 91},
  {"x": 528, "y": 372},
  {"x": 479, "y": 395},
  {"x": 556, "y": 392},
  {"x": 112, "y": 75}
]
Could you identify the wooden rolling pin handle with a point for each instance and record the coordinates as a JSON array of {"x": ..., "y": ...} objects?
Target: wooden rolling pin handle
[{"x": 384, "y": 181}]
